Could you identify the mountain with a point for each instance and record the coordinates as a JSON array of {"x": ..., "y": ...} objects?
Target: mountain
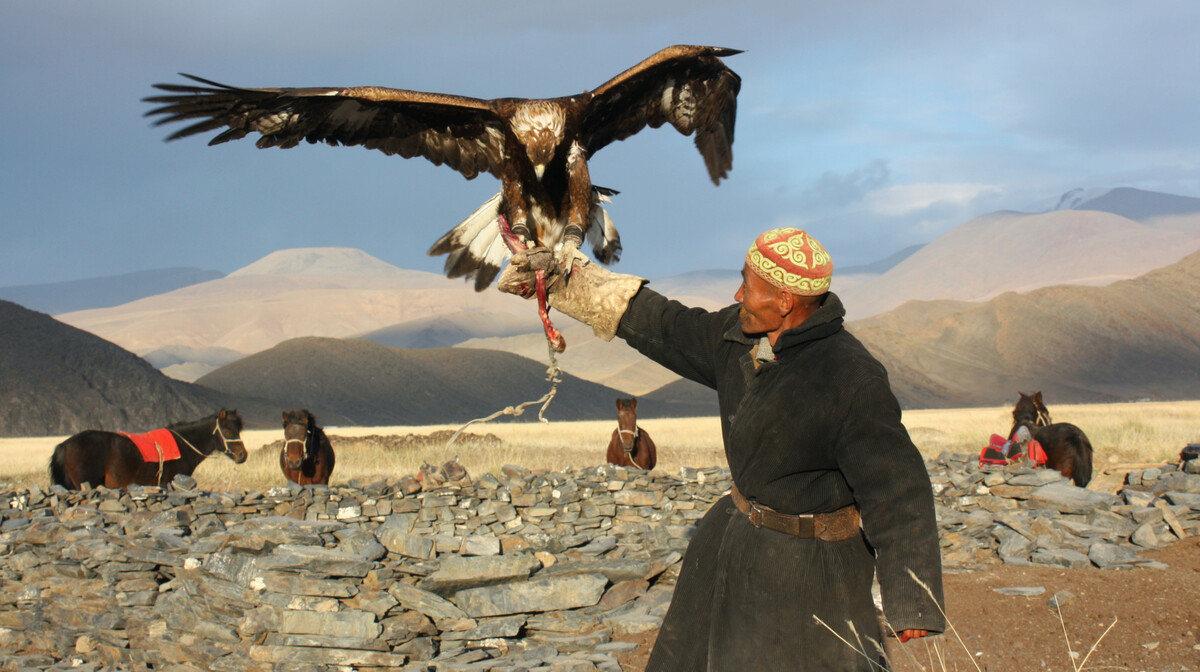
[
  {"x": 1140, "y": 205},
  {"x": 881, "y": 266},
  {"x": 1133, "y": 339},
  {"x": 611, "y": 363},
  {"x": 188, "y": 364},
  {"x": 1010, "y": 251},
  {"x": 702, "y": 400},
  {"x": 443, "y": 331},
  {"x": 63, "y": 297},
  {"x": 371, "y": 384},
  {"x": 336, "y": 292},
  {"x": 56, "y": 379}
]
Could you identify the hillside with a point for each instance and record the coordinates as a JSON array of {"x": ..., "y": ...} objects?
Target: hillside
[
  {"x": 611, "y": 363},
  {"x": 334, "y": 292},
  {"x": 56, "y": 379},
  {"x": 371, "y": 384},
  {"x": 1131, "y": 340},
  {"x": 443, "y": 331}
]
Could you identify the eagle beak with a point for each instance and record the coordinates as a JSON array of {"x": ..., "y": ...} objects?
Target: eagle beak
[{"x": 539, "y": 170}]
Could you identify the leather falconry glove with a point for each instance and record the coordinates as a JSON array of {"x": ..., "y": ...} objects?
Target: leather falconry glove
[{"x": 591, "y": 294}]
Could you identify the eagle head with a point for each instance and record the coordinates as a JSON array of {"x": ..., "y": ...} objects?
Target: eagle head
[{"x": 538, "y": 125}]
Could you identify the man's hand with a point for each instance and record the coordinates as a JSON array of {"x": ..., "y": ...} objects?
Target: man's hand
[
  {"x": 519, "y": 277},
  {"x": 906, "y": 635}
]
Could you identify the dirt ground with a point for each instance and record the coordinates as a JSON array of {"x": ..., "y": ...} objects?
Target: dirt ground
[{"x": 1156, "y": 611}]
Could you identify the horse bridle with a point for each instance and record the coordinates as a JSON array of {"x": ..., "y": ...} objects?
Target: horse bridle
[
  {"x": 304, "y": 443},
  {"x": 216, "y": 430},
  {"x": 226, "y": 441},
  {"x": 628, "y": 447}
]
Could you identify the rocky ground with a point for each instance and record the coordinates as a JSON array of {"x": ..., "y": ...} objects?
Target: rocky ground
[
  {"x": 556, "y": 572},
  {"x": 1157, "y": 615}
]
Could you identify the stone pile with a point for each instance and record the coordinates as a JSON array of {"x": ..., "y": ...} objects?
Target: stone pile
[
  {"x": 518, "y": 571},
  {"x": 1022, "y": 515},
  {"x": 525, "y": 571}
]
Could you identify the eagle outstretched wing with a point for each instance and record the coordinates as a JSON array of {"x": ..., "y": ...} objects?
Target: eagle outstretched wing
[
  {"x": 461, "y": 132},
  {"x": 686, "y": 86}
]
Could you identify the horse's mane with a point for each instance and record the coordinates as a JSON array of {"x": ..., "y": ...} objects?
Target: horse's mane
[{"x": 209, "y": 419}]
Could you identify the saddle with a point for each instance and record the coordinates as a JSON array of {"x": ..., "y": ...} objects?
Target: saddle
[{"x": 159, "y": 445}]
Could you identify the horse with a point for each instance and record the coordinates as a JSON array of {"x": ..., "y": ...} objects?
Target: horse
[
  {"x": 631, "y": 445},
  {"x": 307, "y": 456},
  {"x": 113, "y": 460},
  {"x": 1067, "y": 448}
]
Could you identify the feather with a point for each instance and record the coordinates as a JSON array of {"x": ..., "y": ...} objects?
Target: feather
[{"x": 538, "y": 148}]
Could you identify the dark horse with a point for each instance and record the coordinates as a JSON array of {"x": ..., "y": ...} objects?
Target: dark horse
[
  {"x": 1067, "y": 447},
  {"x": 112, "y": 460},
  {"x": 630, "y": 446},
  {"x": 307, "y": 456}
]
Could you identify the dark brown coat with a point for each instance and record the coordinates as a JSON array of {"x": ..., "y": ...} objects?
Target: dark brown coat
[{"x": 815, "y": 430}]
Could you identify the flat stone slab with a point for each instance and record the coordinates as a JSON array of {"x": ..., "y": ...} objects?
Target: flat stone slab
[
  {"x": 535, "y": 595},
  {"x": 459, "y": 573},
  {"x": 324, "y": 656},
  {"x": 432, "y": 605},
  {"x": 315, "y": 560},
  {"x": 345, "y": 623},
  {"x": 1066, "y": 498}
]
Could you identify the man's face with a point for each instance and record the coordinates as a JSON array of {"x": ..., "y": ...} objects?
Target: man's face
[{"x": 759, "y": 313}]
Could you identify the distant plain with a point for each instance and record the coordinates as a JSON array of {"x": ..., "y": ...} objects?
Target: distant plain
[{"x": 1123, "y": 435}]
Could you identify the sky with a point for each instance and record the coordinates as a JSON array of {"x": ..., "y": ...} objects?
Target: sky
[{"x": 873, "y": 125}]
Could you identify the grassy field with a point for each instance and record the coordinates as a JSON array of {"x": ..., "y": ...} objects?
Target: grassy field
[{"x": 1122, "y": 434}]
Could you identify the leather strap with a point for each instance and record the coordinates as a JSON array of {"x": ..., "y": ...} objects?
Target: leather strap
[{"x": 835, "y": 526}]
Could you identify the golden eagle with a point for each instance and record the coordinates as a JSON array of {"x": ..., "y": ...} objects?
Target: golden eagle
[{"x": 538, "y": 148}]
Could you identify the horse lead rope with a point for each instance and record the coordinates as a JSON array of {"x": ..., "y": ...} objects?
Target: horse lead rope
[
  {"x": 553, "y": 374},
  {"x": 216, "y": 430},
  {"x": 554, "y": 342}
]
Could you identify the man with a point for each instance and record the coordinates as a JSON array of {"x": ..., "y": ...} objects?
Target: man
[{"x": 814, "y": 442}]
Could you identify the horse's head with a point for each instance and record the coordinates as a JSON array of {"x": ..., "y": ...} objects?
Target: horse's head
[
  {"x": 297, "y": 436},
  {"x": 229, "y": 429},
  {"x": 1030, "y": 411},
  {"x": 627, "y": 422}
]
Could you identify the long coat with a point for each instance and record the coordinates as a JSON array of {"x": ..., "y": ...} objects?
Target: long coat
[{"x": 809, "y": 426}]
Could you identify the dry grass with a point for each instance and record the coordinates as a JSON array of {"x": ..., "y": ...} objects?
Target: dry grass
[{"x": 1120, "y": 433}]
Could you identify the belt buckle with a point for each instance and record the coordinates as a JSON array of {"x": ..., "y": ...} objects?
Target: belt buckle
[{"x": 755, "y": 515}]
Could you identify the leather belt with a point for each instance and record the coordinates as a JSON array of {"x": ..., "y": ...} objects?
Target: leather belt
[{"x": 835, "y": 526}]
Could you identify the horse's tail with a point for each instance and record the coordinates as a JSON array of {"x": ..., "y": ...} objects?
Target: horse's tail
[
  {"x": 58, "y": 469},
  {"x": 1082, "y": 474}
]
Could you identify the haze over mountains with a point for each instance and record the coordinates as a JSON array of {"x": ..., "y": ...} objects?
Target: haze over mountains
[
  {"x": 1115, "y": 236},
  {"x": 63, "y": 297}
]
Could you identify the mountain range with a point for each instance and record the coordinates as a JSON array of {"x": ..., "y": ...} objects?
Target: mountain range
[
  {"x": 950, "y": 319},
  {"x": 1133, "y": 339}
]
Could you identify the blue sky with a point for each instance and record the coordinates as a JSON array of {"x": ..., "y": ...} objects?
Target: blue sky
[{"x": 874, "y": 125}]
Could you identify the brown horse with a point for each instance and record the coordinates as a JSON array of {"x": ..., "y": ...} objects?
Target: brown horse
[
  {"x": 307, "y": 456},
  {"x": 111, "y": 459},
  {"x": 1067, "y": 447},
  {"x": 630, "y": 446}
]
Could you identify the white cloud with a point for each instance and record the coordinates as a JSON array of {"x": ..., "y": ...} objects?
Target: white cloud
[{"x": 903, "y": 199}]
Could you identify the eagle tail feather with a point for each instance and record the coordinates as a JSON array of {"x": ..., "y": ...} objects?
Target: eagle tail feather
[
  {"x": 602, "y": 233},
  {"x": 474, "y": 248}
]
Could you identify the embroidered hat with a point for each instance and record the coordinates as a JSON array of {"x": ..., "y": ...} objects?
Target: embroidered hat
[{"x": 791, "y": 260}]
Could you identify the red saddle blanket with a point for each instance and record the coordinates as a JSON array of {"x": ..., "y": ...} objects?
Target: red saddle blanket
[{"x": 151, "y": 442}]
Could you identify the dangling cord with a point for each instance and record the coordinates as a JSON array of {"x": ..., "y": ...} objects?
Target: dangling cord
[{"x": 553, "y": 374}]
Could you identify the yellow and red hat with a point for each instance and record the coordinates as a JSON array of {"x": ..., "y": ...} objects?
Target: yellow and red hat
[{"x": 791, "y": 260}]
